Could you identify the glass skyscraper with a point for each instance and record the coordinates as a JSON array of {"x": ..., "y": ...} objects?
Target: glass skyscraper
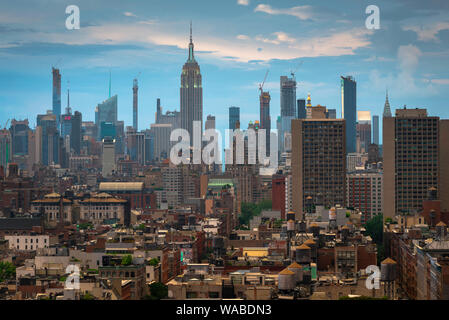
[
  {"x": 349, "y": 110},
  {"x": 234, "y": 116}
]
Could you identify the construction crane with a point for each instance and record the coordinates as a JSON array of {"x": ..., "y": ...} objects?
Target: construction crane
[
  {"x": 294, "y": 71},
  {"x": 6, "y": 124},
  {"x": 264, "y": 79}
]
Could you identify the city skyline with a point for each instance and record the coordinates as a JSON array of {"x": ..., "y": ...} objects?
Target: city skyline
[{"x": 375, "y": 63}]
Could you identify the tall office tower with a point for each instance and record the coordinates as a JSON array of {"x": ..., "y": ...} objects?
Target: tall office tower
[
  {"x": 415, "y": 158},
  {"x": 265, "y": 119},
  {"x": 234, "y": 117},
  {"x": 160, "y": 133},
  {"x": 148, "y": 146},
  {"x": 376, "y": 130},
  {"x": 56, "y": 94},
  {"x": 331, "y": 114},
  {"x": 89, "y": 129},
  {"x": 19, "y": 134},
  {"x": 170, "y": 117},
  {"x": 120, "y": 137},
  {"x": 349, "y": 110},
  {"x": 108, "y": 157},
  {"x": 288, "y": 96},
  {"x": 363, "y": 131},
  {"x": 106, "y": 112},
  {"x": 34, "y": 147},
  {"x": 301, "y": 113},
  {"x": 210, "y": 122},
  {"x": 135, "y": 145},
  {"x": 288, "y": 110},
  {"x": 5, "y": 148},
  {"x": 191, "y": 93},
  {"x": 387, "y": 109},
  {"x": 135, "y": 109},
  {"x": 50, "y": 138},
  {"x": 71, "y": 128},
  {"x": 318, "y": 162}
]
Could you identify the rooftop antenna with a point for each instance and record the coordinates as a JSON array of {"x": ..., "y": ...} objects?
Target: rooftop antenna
[{"x": 68, "y": 110}]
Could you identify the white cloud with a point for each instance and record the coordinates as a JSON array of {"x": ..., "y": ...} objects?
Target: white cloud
[
  {"x": 243, "y": 2},
  {"x": 300, "y": 12},
  {"x": 403, "y": 82},
  {"x": 279, "y": 46},
  {"x": 280, "y": 37},
  {"x": 428, "y": 33},
  {"x": 242, "y": 37},
  {"x": 439, "y": 81},
  {"x": 129, "y": 14}
]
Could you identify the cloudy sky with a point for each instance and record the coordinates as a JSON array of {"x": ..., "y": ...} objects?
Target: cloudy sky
[{"x": 236, "y": 41}]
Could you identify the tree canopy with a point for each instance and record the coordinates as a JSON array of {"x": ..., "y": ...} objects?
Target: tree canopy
[
  {"x": 127, "y": 260},
  {"x": 158, "y": 291},
  {"x": 250, "y": 210},
  {"x": 7, "y": 271}
]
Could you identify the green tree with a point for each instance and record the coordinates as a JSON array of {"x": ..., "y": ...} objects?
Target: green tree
[
  {"x": 153, "y": 262},
  {"x": 158, "y": 291},
  {"x": 374, "y": 228},
  {"x": 87, "y": 296},
  {"x": 7, "y": 271},
  {"x": 250, "y": 210},
  {"x": 127, "y": 260}
]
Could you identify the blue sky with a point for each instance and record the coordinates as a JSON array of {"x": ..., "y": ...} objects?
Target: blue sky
[{"x": 236, "y": 41}]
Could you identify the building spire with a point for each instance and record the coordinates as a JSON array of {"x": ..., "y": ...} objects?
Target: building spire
[
  {"x": 68, "y": 110},
  {"x": 387, "y": 109},
  {"x": 190, "y": 31},
  {"x": 191, "y": 56}
]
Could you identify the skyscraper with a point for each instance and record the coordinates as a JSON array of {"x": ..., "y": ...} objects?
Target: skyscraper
[
  {"x": 265, "y": 119},
  {"x": 331, "y": 114},
  {"x": 349, "y": 110},
  {"x": 318, "y": 162},
  {"x": 376, "y": 130},
  {"x": 415, "y": 158},
  {"x": 71, "y": 127},
  {"x": 210, "y": 122},
  {"x": 363, "y": 131},
  {"x": 108, "y": 157},
  {"x": 5, "y": 148},
  {"x": 301, "y": 104},
  {"x": 50, "y": 139},
  {"x": 56, "y": 94},
  {"x": 191, "y": 93},
  {"x": 19, "y": 134},
  {"x": 135, "y": 109},
  {"x": 234, "y": 117},
  {"x": 288, "y": 96},
  {"x": 288, "y": 109},
  {"x": 106, "y": 112}
]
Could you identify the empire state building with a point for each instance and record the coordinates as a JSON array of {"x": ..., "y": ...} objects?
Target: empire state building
[{"x": 191, "y": 93}]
